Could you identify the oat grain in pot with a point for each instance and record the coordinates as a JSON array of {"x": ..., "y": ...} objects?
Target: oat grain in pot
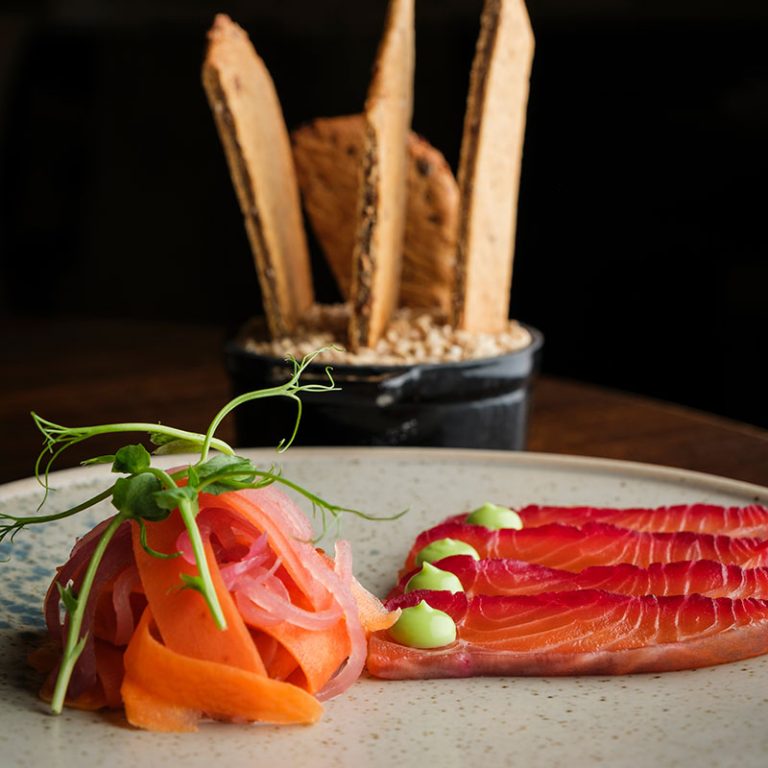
[{"x": 412, "y": 337}]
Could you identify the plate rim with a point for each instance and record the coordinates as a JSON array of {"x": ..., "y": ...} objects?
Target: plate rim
[{"x": 546, "y": 460}]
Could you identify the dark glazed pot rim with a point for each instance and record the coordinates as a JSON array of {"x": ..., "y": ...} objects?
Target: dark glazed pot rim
[{"x": 390, "y": 384}]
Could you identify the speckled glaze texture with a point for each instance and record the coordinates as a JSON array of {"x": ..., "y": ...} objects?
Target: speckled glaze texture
[{"x": 708, "y": 717}]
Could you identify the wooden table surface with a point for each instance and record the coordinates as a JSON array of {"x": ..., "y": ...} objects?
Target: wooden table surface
[{"x": 78, "y": 372}]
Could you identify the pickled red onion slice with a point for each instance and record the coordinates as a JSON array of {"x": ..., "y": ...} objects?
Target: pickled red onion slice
[
  {"x": 353, "y": 668},
  {"x": 265, "y": 595},
  {"x": 125, "y": 622}
]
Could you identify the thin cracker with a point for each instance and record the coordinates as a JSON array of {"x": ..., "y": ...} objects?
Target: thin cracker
[
  {"x": 327, "y": 155},
  {"x": 489, "y": 167},
  {"x": 381, "y": 207},
  {"x": 431, "y": 228},
  {"x": 256, "y": 142}
]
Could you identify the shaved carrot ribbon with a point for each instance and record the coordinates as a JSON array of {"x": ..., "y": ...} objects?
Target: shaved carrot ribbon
[{"x": 166, "y": 691}]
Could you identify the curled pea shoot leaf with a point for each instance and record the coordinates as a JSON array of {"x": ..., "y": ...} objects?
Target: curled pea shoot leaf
[
  {"x": 175, "y": 446},
  {"x": 160, "y": 438},
  {"x": 193, "y": 479},
  {"x": 221, "y": 464},
  {"x": 171, "y": 498},
  {"x": 225, "y": 473},
  {"x": 134, "y": 496},
  {"x": 132, "y": 459}
]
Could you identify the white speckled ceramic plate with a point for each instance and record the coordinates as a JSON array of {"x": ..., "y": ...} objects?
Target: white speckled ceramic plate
[{"x": 708, "y": 717}]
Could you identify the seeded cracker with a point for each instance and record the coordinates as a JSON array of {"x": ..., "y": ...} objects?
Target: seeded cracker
[
  {"x": 379, "y": 241},
  {"x": 431, "y": 227},
  {"x": 252, "y": 129},
  {"x": 489, "y": 166},
  {"x": 327, "y": 154}
]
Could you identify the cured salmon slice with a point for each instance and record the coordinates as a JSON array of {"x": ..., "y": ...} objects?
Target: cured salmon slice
[
  {"x": 751, "y": 520},
  {"x": 574, "y": 549},
  {"x": 515, "y": 577},
  {"x": 572, "y": 633}
]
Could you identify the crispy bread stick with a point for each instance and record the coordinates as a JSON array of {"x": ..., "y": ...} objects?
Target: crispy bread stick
[
  {"x": 489, "y": 166},
  {"x": 327, "y": 154},
  {"x": 252, "y": 129},
  {"x": 381, "y": 206}
]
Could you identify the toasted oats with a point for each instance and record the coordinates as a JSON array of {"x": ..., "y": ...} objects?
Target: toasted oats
[{"x": 413, "y": 337}]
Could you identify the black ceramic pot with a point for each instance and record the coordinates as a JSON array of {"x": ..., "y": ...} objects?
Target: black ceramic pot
[{"x": 470, "y": 404}]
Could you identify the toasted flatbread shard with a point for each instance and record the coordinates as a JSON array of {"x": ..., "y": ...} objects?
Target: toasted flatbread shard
[
  {"x": 431, "y": 225},
  {"x": 381, "y": 205},
  {"x": 327, "y": 154},
  {"x": 489, "y": 166},
  {"x": 258, "y": 149}
]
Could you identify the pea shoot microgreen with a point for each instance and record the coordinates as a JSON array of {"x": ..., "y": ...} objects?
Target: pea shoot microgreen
[{"x": 147, "y": 494}]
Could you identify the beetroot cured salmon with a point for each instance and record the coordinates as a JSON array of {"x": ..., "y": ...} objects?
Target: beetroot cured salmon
[
  {"x": 574, "y": 549},
  {"x": 516, "y": 577},
  {"x": 580, "y": 632},
  {"x": 751, "y": 520}
]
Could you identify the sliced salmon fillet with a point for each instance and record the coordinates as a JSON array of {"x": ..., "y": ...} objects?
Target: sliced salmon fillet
[
  {"x": 751, "y": 520},
  {"x": 576, "y": 633},
  {"x": 516, "y": 577},
  {"x": 573, "y": 549}
]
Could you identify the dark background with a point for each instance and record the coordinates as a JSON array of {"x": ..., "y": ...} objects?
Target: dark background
[{"x": 641, "y": 247}]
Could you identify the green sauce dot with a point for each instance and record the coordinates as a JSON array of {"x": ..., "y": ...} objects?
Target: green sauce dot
[
  {"x": 430, "y": 577},
  {"x": 493, "y": 517},
  {"x": 423, "y": 627},
  {"x": 441, "y": 548}
]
